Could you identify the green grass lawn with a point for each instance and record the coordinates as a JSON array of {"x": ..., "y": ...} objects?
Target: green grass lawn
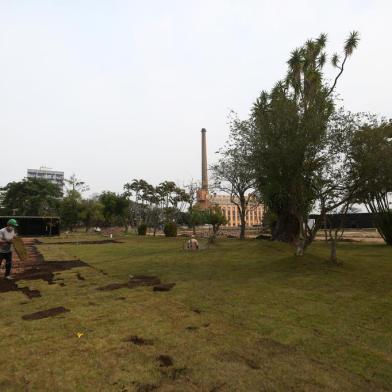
[{"x": 243, "y": 316}]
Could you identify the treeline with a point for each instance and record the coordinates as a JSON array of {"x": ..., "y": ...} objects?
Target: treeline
[{"x": 140, "y": 205}]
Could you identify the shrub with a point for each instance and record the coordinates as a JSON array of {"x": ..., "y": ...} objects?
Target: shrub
[
  {"x": 142, "y": 229},
  {"x": 170, "y": 229}
]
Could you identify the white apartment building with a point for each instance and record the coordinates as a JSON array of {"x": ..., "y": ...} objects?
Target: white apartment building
[{"x": 56, "y": 177}]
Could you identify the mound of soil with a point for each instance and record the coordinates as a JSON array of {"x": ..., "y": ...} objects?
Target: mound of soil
[{"x": 45, "y": 313}]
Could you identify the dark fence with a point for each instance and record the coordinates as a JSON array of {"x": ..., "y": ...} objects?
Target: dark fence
[
  {"x": 361, "y": 220},
  {"x": 34, "y": 225}
]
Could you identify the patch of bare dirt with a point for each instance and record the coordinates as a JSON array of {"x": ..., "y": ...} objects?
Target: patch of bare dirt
[
  {"x": 30, "y": 293},
  {"x": 164, "y": 287},
  {"x": 9, "y": 285},
  {"x": 80, "y": 277},
  {"x": 273, "y": 347},
  {"x": 84, "y": 242},
  {"x": 46, "y": 270},
  {"x": 134, "y": 281},
  {"x": 143, "y": 280},
  {"x": 45, "y": 313},
  {"x": 139, "y": 341},
  {"x": 192, "y": 328},
  {"x": 165, "y": 360},
  {"x": 112, "y": 286}
]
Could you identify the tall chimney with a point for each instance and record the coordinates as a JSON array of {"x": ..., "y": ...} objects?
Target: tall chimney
[{"x": 204, "y": 175}]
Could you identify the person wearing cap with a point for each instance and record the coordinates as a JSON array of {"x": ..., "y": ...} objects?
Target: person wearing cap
[
  {"x": 193, "y": 244},
  {"x": 7, "y": 234}
]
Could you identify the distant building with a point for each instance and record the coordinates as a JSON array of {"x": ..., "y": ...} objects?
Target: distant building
[
  {"x": 254, "y": 214},
  {"x": 56, "y": 177}
]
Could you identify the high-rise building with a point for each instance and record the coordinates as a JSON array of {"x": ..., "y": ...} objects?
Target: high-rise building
[
  {"x": 254, "y": 214},
  {"x": 56, "y": 177}
]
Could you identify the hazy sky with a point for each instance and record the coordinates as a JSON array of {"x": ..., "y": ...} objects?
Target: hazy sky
[{"x": 113, "y": 90}]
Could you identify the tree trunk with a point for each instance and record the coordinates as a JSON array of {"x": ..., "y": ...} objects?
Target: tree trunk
[
  {"x": 215, "y": 229},
  {"x": 242, "y": 212},
  {"x": 287, "y": 228},
  {"x": 194, "y": 229},
  {"x": 242, "y": 229},
  {"x": 383, "y": 221},
  {"x": 300, "y": 248},
  {"x": 333, "y": 257}
]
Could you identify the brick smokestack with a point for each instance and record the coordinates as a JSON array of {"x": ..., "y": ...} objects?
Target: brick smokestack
[{"x": 204, "y": 175}]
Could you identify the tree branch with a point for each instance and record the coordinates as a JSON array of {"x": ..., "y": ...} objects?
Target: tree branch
[{"x": 337, "y": 76}]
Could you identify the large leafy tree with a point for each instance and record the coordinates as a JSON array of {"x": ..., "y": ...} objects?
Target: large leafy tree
[
  {"x": 31, "y": 196},
  {"x": 290, "y": 126},
  {"x": 173, "y": 200},
  {"x": 91, "y": 213},
  {"x": 70, "y": 209},
  {"x": 214, "y": 216},
  {"x": 76, "y": 184},
  {"x": 141, "y": 194},
  {"x": 333, "y": 186},
  {"x": 153, "y": 205},
  {"x": 233, "y": 174},
  {"x": 372, "y": 171},
  {"x": 115, "y": 209}
]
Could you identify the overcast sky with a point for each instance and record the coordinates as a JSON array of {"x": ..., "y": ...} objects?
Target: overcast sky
[{"x": 115, "y": 90}]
